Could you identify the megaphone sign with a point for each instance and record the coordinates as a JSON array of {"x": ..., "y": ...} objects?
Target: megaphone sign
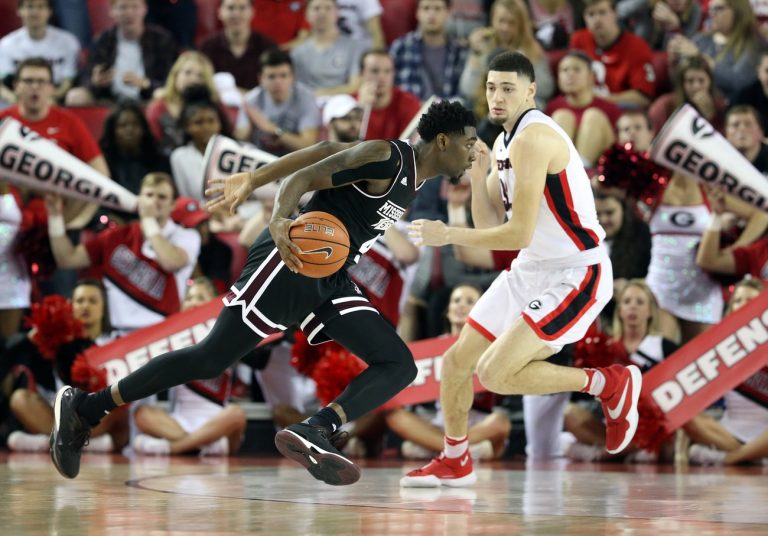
[
  {"x": 688, "y": 143},
  {"x": 31, "y": 161},
  {"x": 225, "y": 156}
]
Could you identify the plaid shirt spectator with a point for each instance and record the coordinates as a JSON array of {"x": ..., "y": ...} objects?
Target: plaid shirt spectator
[{"x": 409, "y": 65}]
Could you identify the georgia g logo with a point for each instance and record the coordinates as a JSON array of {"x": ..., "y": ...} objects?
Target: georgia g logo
[{"x": 535, "y": 305}]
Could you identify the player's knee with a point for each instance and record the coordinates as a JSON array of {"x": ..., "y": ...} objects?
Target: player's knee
[
  {"x": 19, "y": 401},
  {"x": 406, "y": 372},
  {"x": 235, "y": 415},
  {"x": 491, "y": 379},
  {"x": 210, "y": 367},
  {"x": 593, "y": 117}
]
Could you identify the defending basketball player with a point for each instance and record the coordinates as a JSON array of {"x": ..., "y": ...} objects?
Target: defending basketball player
[
  {"x": 367, "y": 187},
  {"x": 553, "y": 291}
]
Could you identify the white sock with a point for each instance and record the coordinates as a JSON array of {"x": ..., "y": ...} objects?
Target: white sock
[
  {"x": 597, "y": 384},
  {"x": 454, "y": 447}
]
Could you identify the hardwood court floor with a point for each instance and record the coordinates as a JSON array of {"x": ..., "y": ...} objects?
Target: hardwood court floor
[{"x": 184, "y": 496}]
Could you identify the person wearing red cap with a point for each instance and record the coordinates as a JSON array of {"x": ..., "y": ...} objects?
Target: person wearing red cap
[{"x": 215, "y": 259}]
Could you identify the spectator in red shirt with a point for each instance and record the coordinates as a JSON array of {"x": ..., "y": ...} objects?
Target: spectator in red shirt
[
  {"x": 587, "y": 119},
  {"x": 389, "y": 109},
  {"x": 34, "y": 91},
  {"x": 290, "y": 13},
  {"x": 623, "y": 63}
]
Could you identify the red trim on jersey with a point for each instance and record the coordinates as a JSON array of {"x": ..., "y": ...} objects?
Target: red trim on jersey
[
  {"x": 480, "y": 329},
  {"x": 566, "y": 215},
  {"x": 569, "y": 311}
]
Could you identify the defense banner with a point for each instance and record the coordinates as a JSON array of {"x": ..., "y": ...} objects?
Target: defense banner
[
  {"x": 688, "y": 143},
  {"x": 225, "y": 156},
  {"x": 126, "y": 354},
  {"x": 31, "y": 161},
  {"x": 709, "y": 366}
]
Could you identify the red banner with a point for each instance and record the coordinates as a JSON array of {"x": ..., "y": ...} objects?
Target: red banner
[
  {"x": 709, "y": 366},
  {"x": 428, "y": 355},
  {"x": 681, "y": 387},
  {"x": 125, "y": 354}
]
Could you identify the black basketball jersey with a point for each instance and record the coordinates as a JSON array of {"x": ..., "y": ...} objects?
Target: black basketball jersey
[{"x": 367, "y": 216}]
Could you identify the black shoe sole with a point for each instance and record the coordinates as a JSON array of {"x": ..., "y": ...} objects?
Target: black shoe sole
[
  {"x": 56, "y": 421},
  {"x": 326, "y": 466}
]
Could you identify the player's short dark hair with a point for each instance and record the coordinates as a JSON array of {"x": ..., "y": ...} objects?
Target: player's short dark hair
[
  {"x": 513, "y": 62},
  {"x": 446, "y": 117},
  {"x": 275, "y": 57},
  {"x": 36, "y": 62}
]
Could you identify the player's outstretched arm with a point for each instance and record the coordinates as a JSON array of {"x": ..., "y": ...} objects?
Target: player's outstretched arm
[
  {"x": 530, "y": 173},
  {"x": 487, "y": 205},
  {"x": 230, "y": 192},
  {"x": 370, "y": 160}
]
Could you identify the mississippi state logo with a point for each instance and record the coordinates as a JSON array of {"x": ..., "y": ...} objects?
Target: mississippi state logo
[{"x": 535, "y": 305}]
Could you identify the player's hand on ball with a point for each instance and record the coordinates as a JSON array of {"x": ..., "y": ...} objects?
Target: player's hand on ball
[
  {"x": 428, "y": 232},
  {"x": 228, "y": 193},
  {"x": 279, "y": 229}
]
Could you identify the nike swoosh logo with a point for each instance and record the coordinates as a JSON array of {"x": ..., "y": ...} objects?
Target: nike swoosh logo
[
  {"x": 615, "y": 412},
  {"x": 326, "y": 249},
  {"x": 464, "y": 461}
]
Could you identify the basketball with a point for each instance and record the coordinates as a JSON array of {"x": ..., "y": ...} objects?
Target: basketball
[{"x": 324, "y": 241}]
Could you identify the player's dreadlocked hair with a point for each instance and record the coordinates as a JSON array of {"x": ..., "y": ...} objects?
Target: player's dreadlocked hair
[{"x": 446, "y": 117}]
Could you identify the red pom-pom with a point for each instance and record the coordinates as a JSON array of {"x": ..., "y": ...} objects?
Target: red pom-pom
[
  {"x": 86, "y": 377},
  {"x": 54, "y": 323},
  {"x": 624, "y": 168},
  {"x": 32, "y": 242},
  {"x": 651, "y": 428},
  {"x": 334, "y": 370},
  {"x": 304, "y": 356},
  {"x": 599, "y": 350},
  {"x": 331, "y": 366}
]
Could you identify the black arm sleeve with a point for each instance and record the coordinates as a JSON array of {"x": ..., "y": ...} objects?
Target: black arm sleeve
[{"x": 385, "y": 169}]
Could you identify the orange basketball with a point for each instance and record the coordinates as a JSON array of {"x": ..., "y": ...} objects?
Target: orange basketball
[{"x": 324, "y": 241}]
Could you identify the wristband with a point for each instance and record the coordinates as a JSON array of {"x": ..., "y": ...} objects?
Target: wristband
[
  {"x": 457, "y": 215},
  {"x": 56, "y": 226},
  {"x": 150, "y": 227}
]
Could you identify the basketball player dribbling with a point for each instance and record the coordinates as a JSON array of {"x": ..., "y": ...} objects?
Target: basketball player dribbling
[
  {"x": 368, "y": 187},
  {"x": 552, "y": 292}
]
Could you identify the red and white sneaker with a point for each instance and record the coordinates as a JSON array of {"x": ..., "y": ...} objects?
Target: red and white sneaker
[
  {"x": 621, "y": 393},
  {"x": 442, "y": 471}
]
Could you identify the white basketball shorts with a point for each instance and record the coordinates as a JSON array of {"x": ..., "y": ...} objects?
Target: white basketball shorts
[{"x": 559, "y": 302}]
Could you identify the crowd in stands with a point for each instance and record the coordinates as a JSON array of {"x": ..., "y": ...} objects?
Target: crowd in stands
[{"x": 136, "y": 90}]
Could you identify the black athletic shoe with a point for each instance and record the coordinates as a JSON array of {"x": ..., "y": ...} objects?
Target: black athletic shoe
[
  {"x": 311, "y": 447},
  {"x": 70, "y": 433}
]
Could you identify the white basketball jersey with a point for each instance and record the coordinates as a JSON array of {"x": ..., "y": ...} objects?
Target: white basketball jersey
[{"x": 567, "y": 222}]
